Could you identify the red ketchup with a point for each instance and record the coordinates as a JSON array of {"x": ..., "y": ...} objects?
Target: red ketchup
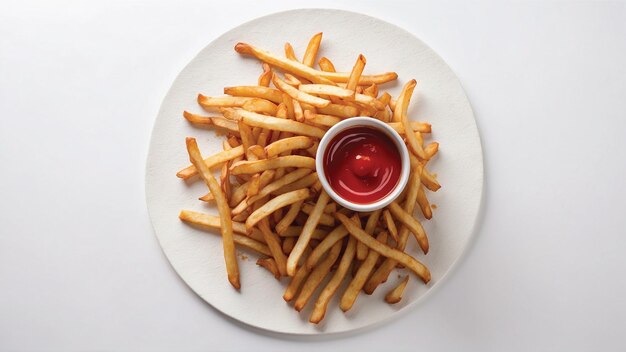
[{"x": 362, "y": 164}]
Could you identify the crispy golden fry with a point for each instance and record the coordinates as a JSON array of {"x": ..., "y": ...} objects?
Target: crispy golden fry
[
  {"x": 271, "y": 94},
  {"x": 198, "y": 119},
  {"x": 357, "y": 282},
  {"x": 423, "y": 127},
  {"x": 325, "y": 219},
  {"x": 326, "y": 65},
  {"x": 292, "y": 80},
  {"x": 288, "y": 218},
  {"x": 309, "y": 73},
  {"x": 297, "y": 111},
  {"x": 275, "y": 123},
  {"x": 429, "y": 181},
  {"x": 411, "y": 223},
  {"x": 252, "y": 167},
  {"x": 261, "y": 106},
  {"x": 294, "y": 231},
  {"x": 294, "y": 93},
  {"x": 333, "y": 237},
  {"x": 270, "y": 265},
  {"x": 265, "y": 78},
  {"x": 254, "y": 185},
  {"x": 343, "y": 111},
  {"x": 431, "y": 150},
  {"x": 222, "y": 206},
  {"x": 211, "y": 161},
  {"x": 288, "y": 244},
  {"x": 391, "y": 225},
  {"x": 418, "y": 268},
  {"x": 212, "y": 103},
  {"x": 213, "y": 222},
  {"x": 290, "y": 53},
  {"x": 273, "y": 243},
  {"x": 225, "y": 181},
  {"x": 288, "y": 144},
  {"x": 295, "y": 283},
  {"x": 355, "y": 75},
  {"x": 306, "y": 181},
  {"x": 274, "y": 204},
  {"x": 372, "y": 91},
  {"x": 422, "y": 201},
  {"x": 207, "y": 197},
  {"x": 400, "y": 115},
  {"x": 394, "y": 296},
  {"x": 280, "y": 182},
  {"x": 311, "y": 50},
  {"x": 319, "y": 311},
  {"x": 307, "y": 232},
  {"x": 317, "y": 275},
  {"x": 361, "y": 248},
  {"x": 288, "y": 106},
  {"x": 325, "y": 89},
  {"x": 247, "y": 139}
]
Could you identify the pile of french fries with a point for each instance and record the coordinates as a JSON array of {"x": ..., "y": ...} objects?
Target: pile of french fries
[{"x": 269, "y": 197}]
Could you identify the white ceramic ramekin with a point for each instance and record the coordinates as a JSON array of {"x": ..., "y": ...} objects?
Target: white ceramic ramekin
[{"x": 381, "y": 126}]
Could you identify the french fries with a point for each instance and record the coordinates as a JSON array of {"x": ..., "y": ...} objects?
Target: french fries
[{"x": 269, "y": 197}]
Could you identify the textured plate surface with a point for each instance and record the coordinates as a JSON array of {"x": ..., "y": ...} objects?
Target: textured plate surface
[{"x": 197, "y": 255}]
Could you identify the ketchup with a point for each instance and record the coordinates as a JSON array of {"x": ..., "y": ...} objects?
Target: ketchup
[{"x": 362, "y": 164}]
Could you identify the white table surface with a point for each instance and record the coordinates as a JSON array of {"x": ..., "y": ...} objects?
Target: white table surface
[{"x": 80, "y": 267}]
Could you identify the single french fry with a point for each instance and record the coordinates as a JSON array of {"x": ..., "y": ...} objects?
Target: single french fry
[
  {"x": 355, "y": 75},
  {"x": 227, "y": 227},
  {"x": 311, "y": 50},
  {"x": 422, "y": 201},
  {"x": 343, "y": 111},
  {"x": 296, "y": 282},
  {"x": 325, "y": 89},
  {"x": 309, "y": 73},
  {"x": 317, "y": 275},
  {"x": 270, "y": 265},
  {"x": 288, "y": 107},
  {"x": 422, "y": 127},
  {"x": 431, "y": 150},
  {"x": 274, "y": 204},
  {"x": 297, "y": 111},
  {"x": 225, "y": 181},
  {"x": 391, "y": 225},
  {"x": 288, "y": 144},
  {"x": 359, "y": 279},
  {"x": 295, "y": 94},
  {"x": 288, "y": 218},
  {"x": 319, "y": 310},
  {"x": 253, "y": 187},
  {"x": 290, "y": 53},
  {"x": 326, "y": 65},
  {"x": 361, "y": 248},
  {"x": 273, "y": 243},
  {"x": 333, "y": 237},
  {"x": 197, "y": 119},
  {"x": 213, "y": 222},
  {"x": 400, "y": 115},
  {"x": 207, "y": 197},
  {"x": 261, "y": 106},
  {"x": 411, "y": 223},
  {"x": 307, "y": 232},
  {"x": 275, "y": 123},
  {"x": 429, "y": 181},
  {"x": 252, "y": 167},
  {"x": 212, "y": 103},
  {"x": 266, "y": 77},
  {"x": 418, "y": 268},
  {"x": 292, "y": 80},
  {"x": 271, "y": 94},
  {"x": 395, "y": 295}
]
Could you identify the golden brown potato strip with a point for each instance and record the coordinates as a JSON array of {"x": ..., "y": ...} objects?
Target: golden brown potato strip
[
  {"x": 213, "y": 222},
  {"x": 395, "y": 295},
  {"x": 212, "y": 103},
  {"x": 207, "y": 197},
  {"x": 422, "y": 201},
  {"x": 359, "y": 279},
  {"x": 372, "y": 220},
  {"x": 288, "y": 244},
  {"x": 288, "y": 218},
  {"x": 297, "y": 111},
  {"x": 411, "y": 223},
  {"x": 271, "y": 94},
  {"x": 333, "y": 237},
  {"x": 325, "y": 89},
  {"x": 355, "y": 75},
  {"x": 275, "y": 123},
  {"x": 418, "y": 268},
  {"x": 252, "y": 167},
  {"x": 429, "y": 181},
  {"x": 306, "y": 181},
  {"x": 222, "y": 206},
  {"x": 211, "y": 161},
  {"x": 423, "y": 127},
  {"x": 295, "y": 283},
  {"x": 266, "y": 77},
  {"x": 319, "y": 310},
  {"x": 273, "y": 243},
  {"x": 270, "y": 265},
  {"x": 309, "y": 73},
  {"x": 288, "y": 144},
  {"x": 307, "y": 232},
  {"x": 391, "y": 225},
  {"x": 326, "y": 65},
  {"x": 288, "y": 107},
  {"x": 197, "y": 119},
  {"x": 317, "y": 275},
  {"x": 311, "y": 50},
  {"x": 261, "y": 106},
  {"x": 295, "y": 94},
  {"x": 400, "y": 115},
  {"x": 274, "y": 204},
  {"x": 253, "y": 186},
  {"x": 225, "y": 181},
  {"x": 431, "y": 149},
  {"x": 290, "y": 53},
  {"x": 372, "y": 91},
  {"x": 292, "y": 80},
  {"x": 343, "y": 111},
  {"x": 280, "y": 182}
]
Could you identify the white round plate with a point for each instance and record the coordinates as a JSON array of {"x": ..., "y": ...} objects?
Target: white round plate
[{"x": 197, "y": 255}]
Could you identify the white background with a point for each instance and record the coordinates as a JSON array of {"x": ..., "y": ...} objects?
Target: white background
[{"x": 80, "y": 267}]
